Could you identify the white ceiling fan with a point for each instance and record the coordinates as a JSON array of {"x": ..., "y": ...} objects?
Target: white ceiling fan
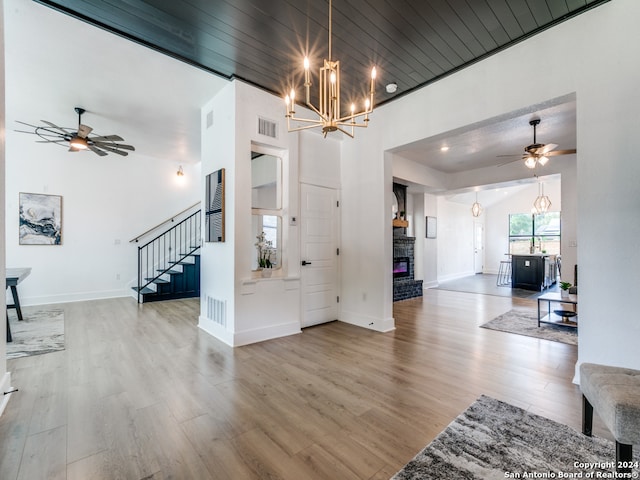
[{"x": 538, "y": 153}]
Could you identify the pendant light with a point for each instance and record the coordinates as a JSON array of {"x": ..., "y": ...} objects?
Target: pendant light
[
  {"x": 476, "y": 208},
  {"x": 542, "y": 202}
]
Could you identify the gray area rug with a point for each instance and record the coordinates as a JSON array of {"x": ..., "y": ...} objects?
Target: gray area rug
[
  {"x": 41, "y": 331},
  {"x": 526, "y": 323},
  {"x": 493, "y": 440}
]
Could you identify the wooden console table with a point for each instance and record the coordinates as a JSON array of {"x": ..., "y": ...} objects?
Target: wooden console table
[{"x": 14, "y": 276}]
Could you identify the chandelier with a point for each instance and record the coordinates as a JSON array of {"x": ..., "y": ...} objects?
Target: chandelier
[
  {"x": 542, "y": 202},
  {"x": 476, "y": 208},
  {"x": 329, "y": 114}
]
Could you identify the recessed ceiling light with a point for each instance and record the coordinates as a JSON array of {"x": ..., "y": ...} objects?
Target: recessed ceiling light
[
  {"x": 444, "y": 149},
  {"x": 391, "y": 87}
]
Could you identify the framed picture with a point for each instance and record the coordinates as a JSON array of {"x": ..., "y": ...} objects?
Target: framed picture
[
  {"x": 432, "y": 227},
  {"x": 40, "y": 219},
  {"x": 214, "y": 214}
]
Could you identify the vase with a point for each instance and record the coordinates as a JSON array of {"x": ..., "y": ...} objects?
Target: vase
[
  {"x": 266, "y": 272},
  {"x": 564, "y": 293}
]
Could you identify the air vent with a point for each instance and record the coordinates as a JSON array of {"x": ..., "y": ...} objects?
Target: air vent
[
  {"x": 210, "y": 119},
  {"x": 267, "y": 127},
  {"x": 217, "y": 311}
]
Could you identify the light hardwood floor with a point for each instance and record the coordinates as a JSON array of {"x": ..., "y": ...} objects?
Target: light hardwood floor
[{"x": 140, "y": 392}]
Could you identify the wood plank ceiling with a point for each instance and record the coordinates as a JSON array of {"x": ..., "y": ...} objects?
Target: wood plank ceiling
[{"x": 262, "y": 42}]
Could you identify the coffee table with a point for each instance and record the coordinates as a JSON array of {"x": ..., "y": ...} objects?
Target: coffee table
[{"x": 567, "y": 314}]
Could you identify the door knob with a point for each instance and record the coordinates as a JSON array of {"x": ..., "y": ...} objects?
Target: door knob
[{"x": 304, "y": 262}]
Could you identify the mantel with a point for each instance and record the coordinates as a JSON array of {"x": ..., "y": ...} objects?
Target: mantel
[{"x": 400, "y": 223}]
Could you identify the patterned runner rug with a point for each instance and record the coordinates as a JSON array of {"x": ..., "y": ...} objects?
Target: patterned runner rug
[
  {"x": 493, "y": 440},
  {"x": 41, "y": 331},
  {"x": 526, "y": 323}
]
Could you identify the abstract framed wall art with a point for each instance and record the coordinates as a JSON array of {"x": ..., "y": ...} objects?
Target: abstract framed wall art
[
  {"x": 40, "y": 219},
  {"x": 214, "y": 214}
]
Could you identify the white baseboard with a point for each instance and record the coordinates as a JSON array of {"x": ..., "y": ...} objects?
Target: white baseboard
[
  {"x": 365, "y": 321},
  {"x": 237, "y": 339},
  {"x": 73, "y": 297},
  {"x": 433, "y": 284},
  {"x": 5, "y": 386}
]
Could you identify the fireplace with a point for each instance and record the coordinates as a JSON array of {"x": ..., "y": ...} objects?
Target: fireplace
[
  {"x": 401, "y": 267},
  {"x": 404, "y": 284}
]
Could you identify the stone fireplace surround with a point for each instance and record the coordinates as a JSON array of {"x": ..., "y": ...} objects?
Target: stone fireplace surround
[{"x": 405, "y": 287}]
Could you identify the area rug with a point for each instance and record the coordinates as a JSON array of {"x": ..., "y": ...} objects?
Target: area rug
[
  {"x": 493, "y": 440},
  {"x": 526, "y": 323},
  {"x": 41, "y": 331}
]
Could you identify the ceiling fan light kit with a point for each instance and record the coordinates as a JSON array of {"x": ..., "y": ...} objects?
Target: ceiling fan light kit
[
  {"x": 79, "y": 139},
  {"x": 330, "y": 117},
  {"x": 538, "y": 153}
]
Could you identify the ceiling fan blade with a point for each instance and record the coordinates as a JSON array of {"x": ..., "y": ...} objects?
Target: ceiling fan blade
[
  {"x": 561, "y": 152},
  {"x": 547, "y": 148},
  {"x": 53, "y": 125},
  {"x": 112, "y": 149},
  {"x": 507, "y": 163},
  {"x": 107, "y": 145},
  {"x": 97, "y": 151},
  {"x": 84, "y": 130},
  {"x": 108, "y": 138},
  {"x": 512, "y": 155},
  {"x": 27, "y": 124}
]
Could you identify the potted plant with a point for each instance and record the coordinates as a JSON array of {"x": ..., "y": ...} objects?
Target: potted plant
[
  {"x": 402, "y": 215},
  {"x": 265, "y": 251},
  {"x": 564, "y": 289}
]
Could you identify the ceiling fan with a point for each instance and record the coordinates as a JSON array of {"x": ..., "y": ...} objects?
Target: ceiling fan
[
  {"x": 79, "y": 139},
  {"x": 538, "y": 153}
]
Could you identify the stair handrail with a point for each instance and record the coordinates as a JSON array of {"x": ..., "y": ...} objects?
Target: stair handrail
[
  {"x": 181, "y": 256},
  {"x": 168, "y": 220}
]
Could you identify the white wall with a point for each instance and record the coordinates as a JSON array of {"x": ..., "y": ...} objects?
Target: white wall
[
  {"x": 455, "y": 240},
  {"x": 256, "y": 308},
  {"x": 607, "y": 174},
  {"x": 106, "y": 202},
  {"x": 5, "y": 377}
]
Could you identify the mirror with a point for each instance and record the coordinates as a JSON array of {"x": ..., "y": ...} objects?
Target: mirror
[
  {"x": 266, "y": 184},
  {"x": 271, "y": 225}
]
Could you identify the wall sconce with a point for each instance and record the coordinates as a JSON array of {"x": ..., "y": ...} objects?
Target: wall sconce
[{"x": 180, "y": 172}]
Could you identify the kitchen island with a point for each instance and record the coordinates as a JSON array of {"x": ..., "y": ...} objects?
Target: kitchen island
[{"x": 536, "y": 271}]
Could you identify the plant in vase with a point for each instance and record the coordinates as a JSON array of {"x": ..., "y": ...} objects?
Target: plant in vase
[
  {"x": 265, "y": 252},
  {"x": 564, "y": 289}
]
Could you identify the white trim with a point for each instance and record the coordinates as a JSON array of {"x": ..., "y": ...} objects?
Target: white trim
[
  {"x": 248, "y": 336},
  {"x": 75, "y": 297},
  {"x": 366, "y": 321},
  {"x": 5, "y": 386}
]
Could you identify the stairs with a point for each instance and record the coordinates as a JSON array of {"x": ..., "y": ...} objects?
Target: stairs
[
  {"x": 174, "y": 283},
  {"x": 169, "y": 265}
]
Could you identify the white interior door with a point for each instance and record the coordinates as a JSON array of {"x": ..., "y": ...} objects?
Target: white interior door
[
  {"x": 319, "y": 220},
  {"x": 478, "y": 247}
]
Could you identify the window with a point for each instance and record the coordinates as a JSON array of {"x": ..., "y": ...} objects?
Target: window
[
  {"x": 266, "y": 204},
  {"x": 540, "y": 231}
]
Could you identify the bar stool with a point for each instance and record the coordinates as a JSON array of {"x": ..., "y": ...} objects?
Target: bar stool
[{"x": 504, "y": 273}]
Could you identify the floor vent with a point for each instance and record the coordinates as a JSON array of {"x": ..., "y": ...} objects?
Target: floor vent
[
  {"x": 267, "y": 127},
  {"x": 217, "y": 311}
]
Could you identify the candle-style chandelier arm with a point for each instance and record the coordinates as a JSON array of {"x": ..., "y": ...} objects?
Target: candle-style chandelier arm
[{"x": 328, "y": 109}]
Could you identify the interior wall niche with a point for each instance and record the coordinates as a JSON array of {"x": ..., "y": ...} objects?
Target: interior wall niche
[{"x": 400, "y": 205}]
